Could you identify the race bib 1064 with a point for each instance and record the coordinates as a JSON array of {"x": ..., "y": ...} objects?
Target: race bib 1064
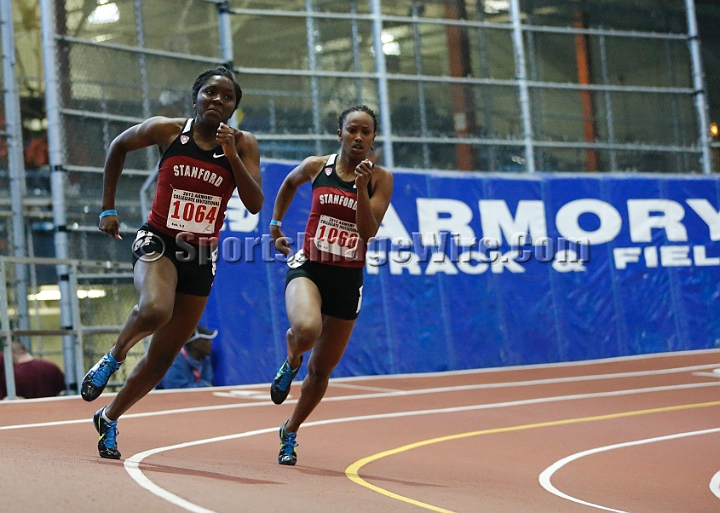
[
  {"x": 193, "y": 212},
  {"x": 336, "y": 236}
]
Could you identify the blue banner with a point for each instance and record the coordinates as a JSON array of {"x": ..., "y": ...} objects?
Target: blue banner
[{"x": 477, "y": 270}]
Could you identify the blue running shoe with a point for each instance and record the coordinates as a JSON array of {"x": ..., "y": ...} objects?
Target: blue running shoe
[
  {"x": 95, "y": 380},
  {"x": 280, "y": 387},
  {"x": 287, "y": 454},
  {"x": 108, "y": 431}
]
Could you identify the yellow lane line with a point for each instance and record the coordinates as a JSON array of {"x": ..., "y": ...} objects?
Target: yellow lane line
[{"x": 352, "y": 472}]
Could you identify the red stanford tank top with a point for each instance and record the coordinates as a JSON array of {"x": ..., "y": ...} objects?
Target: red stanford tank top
[
  {"x": 193, "y": 190},
  {"x": 331, "y": 235}
]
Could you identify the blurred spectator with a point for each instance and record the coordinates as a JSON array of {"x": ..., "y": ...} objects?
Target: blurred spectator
[
  {"x": 192, "y": 368},
  {"x": 34, "y": 377},
  {"x": 36, "y": 153}
]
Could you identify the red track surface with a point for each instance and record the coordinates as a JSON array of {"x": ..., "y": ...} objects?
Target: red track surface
[{"x": 502, "y": 429}]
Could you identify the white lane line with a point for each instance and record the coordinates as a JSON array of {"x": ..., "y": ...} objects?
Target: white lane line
[
  {"x": 132, "y": 464},
  {"x": 45, "y": 424},
  {"x": 520, "y": 402},
  {"x": 361, "y": 387},
  {"x": 337, "y": 381},
  {"x": 549, "y": 381},
  {"x": 712, "y": 374},
  {"x": 255, "y": 395},
  {"x": 546, "y": 475},
  {"x": 555, "y": 365},
  {"x": 715, "y": 485},
  {"x": 200, "y": 390},
  {"x": 487, "y": 370}
]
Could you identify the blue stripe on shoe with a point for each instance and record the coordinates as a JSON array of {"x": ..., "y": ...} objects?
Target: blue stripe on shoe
[
  {"x": 286, "y": 375},
  {"x": 107, "y": 365}
]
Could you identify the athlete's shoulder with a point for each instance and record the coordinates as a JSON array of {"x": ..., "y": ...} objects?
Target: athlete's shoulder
[
  {"x": 381, "y": 173},
  {"x": 316, "y": 160},
  {"x": 167, "y": 130},
  {"x": 313, "y": 164},
  {"x": 382, "y": 178},
  {"x": 244, "y": 137},
  {"x": 161, "y": 122},
  {"x": 155, "y": 130},
  {"x": 163, "y": 128},
  {"x": 380, "y": 170},
  {"x": 310, "y": 167}
]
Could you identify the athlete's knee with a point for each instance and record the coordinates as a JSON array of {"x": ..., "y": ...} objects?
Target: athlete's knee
[
  {"x": 305, "y": 333},
  {"x": 158, "y": 364},
  {"x": 319, "y": 374},
  {"x": 153, "y": 315}
]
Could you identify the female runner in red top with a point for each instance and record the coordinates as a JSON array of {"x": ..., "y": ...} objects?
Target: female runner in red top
[
  {"x": 174, "y": 253},
  {"x": 323, "y": 290}
]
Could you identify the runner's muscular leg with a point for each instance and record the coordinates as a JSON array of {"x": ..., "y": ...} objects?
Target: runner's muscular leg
[
  {"x": 165, "y": 345},
  {"x": 326, "y": 354},
  {"x": 155, "y": 283},
  {"x": 302, "y": 302}
]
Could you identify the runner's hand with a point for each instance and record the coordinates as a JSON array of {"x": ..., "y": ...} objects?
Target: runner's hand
[
  {"x": 226, "y": 139},
  {"x": 109, "y": 225},
  {"x": 363, "y": 174},
  {"x": 282, "y": 244}
]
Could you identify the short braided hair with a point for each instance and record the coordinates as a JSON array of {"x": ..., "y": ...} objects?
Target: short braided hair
[
  {"x": 358, "y": 108},
  {"x": 221, "y": 71}
]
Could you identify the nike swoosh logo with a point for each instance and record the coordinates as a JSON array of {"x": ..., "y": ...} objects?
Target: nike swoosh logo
[{"x": 215, "y": 155}]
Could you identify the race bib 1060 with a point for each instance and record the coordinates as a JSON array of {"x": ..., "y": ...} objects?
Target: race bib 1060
[
  {"x": 193, "y": 212},
  {"x": 336, "y": 236}
]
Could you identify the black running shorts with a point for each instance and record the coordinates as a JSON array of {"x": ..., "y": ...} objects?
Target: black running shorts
[
  {"x": 195, "y": 264},
  {"x": 340, "y": 287}
]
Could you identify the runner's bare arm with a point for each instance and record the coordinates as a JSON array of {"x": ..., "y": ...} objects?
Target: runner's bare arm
[
  {"x": 305, "y": 172},
  {"x": 241, "y": 149},
  {"x": 158, "y": 131},
  {"x": 371, "y": 210}
]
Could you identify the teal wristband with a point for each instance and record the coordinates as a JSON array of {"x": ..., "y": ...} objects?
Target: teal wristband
[
  {"x": 275, "y": 222},
  {"x": 106, "y": 213}
]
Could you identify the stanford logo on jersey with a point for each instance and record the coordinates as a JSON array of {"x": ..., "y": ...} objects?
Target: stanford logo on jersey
[
  {"x": 328, "y": 170},
  {"x": 184, "y": 139}
]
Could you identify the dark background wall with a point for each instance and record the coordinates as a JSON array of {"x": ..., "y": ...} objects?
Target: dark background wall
[{"x": 708, "y": 14}]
